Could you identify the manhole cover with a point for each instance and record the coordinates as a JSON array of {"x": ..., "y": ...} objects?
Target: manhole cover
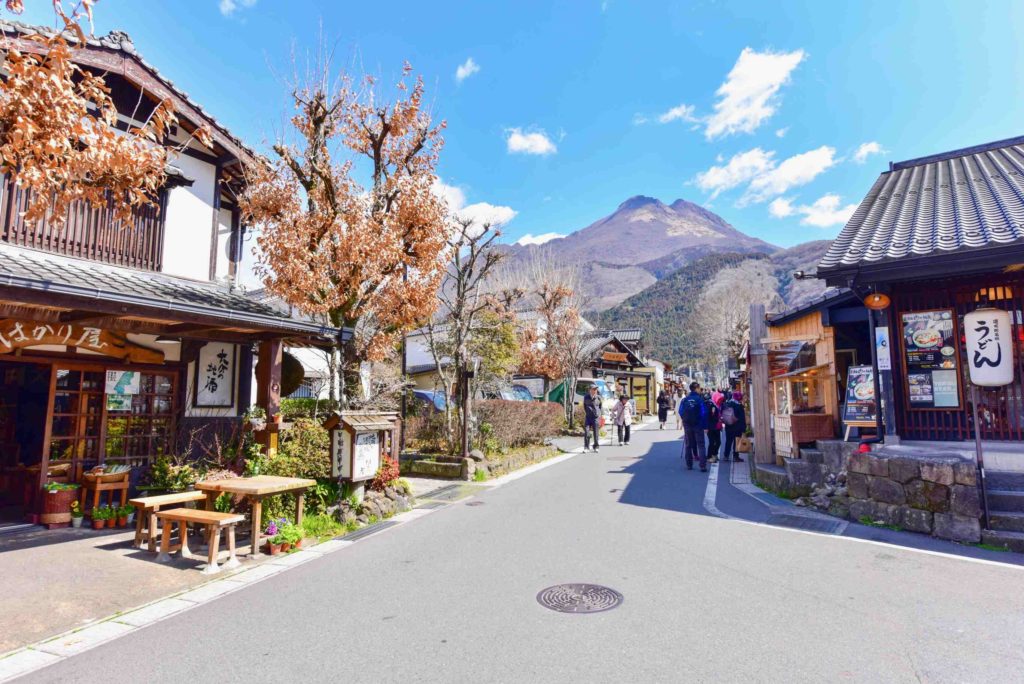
[
  {"x": 475, "y": 503},
  {"x": 579, "y": 598}
]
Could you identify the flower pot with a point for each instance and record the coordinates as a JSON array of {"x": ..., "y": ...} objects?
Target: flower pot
[
  {"x": 122, "y": 521},
  {"x": 298, "y": 544},
  {"x": 111, "y": 522},
  {"x": 286, "y": 547},
  {"x": 76, "y": 522},
  {"x": 98, "y": 524},
  {"x": 57, "y": 506},
  {"x": 274, "y": 548}
]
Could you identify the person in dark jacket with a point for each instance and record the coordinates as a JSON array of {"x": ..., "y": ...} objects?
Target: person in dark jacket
[
  {"x": 736, "y": 427},
  {"x": 714, "y": 406},
  {"x": 664, "y": 405},
  {"x": 694, "y": 415},
  {"x": 591, "y": 417}
]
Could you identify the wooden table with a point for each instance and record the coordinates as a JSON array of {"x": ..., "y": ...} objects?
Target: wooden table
[{"x": 256, "y": 489}]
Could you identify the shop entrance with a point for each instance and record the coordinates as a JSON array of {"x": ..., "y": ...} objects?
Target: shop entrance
[{"x": 24, "y": 392}]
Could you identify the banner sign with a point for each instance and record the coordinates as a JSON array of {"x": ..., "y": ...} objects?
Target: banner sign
[
  {"x": 860, "y": 406},
  {"x": 930, "y": 354}
]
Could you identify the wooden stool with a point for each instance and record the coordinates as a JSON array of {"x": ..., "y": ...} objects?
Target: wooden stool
[
  {"x": 145, "y": 518},
  {"x": 213, "y": 521}
]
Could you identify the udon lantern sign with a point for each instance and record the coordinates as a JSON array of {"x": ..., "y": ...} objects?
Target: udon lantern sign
[{"x": 989, "y": 347}]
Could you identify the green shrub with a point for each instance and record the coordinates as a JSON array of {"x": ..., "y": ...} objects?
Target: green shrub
[
  {"x": 303, "y": 451},
  {"x": 293, "y": 409},
  {"x": 425, "y": 433},
  {"x": 321, "y": 526},
  {"x": 517, "y": 423}
]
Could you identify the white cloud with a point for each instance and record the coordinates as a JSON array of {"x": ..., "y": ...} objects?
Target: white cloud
[
  {"x": 749, "y": 95},
  {"x": 825, "y": 212},
  {"x": 536, "y": 142},
  {"x": 740, "y": 169},
  {"x": 866, "y": 150},
  {"x": 466, "y": 69},
  {"x": 530, "y": 239},
  {"x": 683, "y": 112},
  {"x": 228, "y": 7},
  {"x": 781, "y": 208},
  {"x": 781, "y": 133},
  {"x": 793, "y": 172},
  {"x": 480, "y": 212},
  {"x": 639, "y": 119}
]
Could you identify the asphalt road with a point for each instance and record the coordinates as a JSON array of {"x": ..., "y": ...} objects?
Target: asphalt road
[{"x": 451, "y": 597}]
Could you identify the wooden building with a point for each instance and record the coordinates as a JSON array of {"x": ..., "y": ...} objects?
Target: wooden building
[
  {"x": 810, "y": 349},
  {"x": 934, "y": 239},
  {"x": 117, "y": 343}
]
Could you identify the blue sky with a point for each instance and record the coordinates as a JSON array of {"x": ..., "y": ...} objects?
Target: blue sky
[{"x": 754, "y": 109}]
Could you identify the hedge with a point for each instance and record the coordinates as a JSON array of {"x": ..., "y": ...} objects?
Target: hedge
[{"x": 510, "y": 424}]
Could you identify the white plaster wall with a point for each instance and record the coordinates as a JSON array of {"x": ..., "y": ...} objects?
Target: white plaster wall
[
  {"x": 189, "y": 222},
  {"x": 247, "y": 277},
  {"x": 224, "y": 244}
]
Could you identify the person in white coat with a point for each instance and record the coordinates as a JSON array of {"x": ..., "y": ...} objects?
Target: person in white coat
[{"x": 622, "y": 415}]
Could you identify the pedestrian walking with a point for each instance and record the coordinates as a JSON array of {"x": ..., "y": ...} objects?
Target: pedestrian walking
[
  {"x": 677, "y": 399},
  {"x": 715, "y": 425},
  {"x": 622, "y": 416},
  {"x": 735, "y": 421},
  {"x": 664, "y": 405},
  {"x": 591, "y": 418},
  {"x": 694, "y": 418}
]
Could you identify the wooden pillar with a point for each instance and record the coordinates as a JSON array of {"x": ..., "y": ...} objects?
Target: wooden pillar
[
  {"x": 268, "y": 390},
  {"x": 760, "y": 392}
]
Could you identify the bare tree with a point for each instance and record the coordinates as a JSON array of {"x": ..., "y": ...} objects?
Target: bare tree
[{"x": 462, "y": 299}]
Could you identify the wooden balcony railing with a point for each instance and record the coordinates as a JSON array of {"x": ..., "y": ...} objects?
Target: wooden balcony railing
[{"x": 89, "y": 233}]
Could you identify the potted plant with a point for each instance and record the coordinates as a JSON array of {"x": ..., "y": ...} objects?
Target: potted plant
[
  {"x": 129, "y": 514},
  {"x": 256, "y": 418},
  {"x": 291, "y": 536},
  {"x": 76, "y": 514},
  {"x": 57, "y": 503},
  {"x": 99, "y": 517},
  {"x": 273, "y": 531},
  {"x": 121, "y": 515}
]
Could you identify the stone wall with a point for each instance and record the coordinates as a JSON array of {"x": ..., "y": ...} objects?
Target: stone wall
[{"x": 932, "y": 493}]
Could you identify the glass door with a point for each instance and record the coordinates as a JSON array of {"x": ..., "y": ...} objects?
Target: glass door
[{"x": 77, "y": 417}]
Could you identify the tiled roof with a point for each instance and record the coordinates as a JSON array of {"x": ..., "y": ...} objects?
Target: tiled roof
[
  {"x": 41, "y": 271},
  {"x": 957, "y": 201},
  {"x": 119, "y": 41}
]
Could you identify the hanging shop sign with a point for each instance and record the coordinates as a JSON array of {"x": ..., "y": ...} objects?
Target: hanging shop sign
[
  {"x": 615, "y": 357},
  {"x": 882, "y": 349},
  {"x": 989, "y": 347},
  {"x": 215, "y": 375},
  {"x": 17, "y": 333},
  {"x": 930, "y": 355},
  {"x": 861, "y": 408}
]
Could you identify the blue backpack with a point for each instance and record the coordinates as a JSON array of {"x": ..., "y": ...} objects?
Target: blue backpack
[{"x": 692, "y": 410}]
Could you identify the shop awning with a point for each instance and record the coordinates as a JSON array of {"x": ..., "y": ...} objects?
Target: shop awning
[{"x": 68, "y": 289}]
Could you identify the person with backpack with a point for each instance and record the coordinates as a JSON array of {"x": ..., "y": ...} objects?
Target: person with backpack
[
  {"x": 693, "y": 413},
  {"x": 715, "y": 425},
  {"x": 591, "y": 418},
  {"x": 735, "y": 421},
  {"x": 622, "y": 415},
  {"x": 664, "y": 404}
]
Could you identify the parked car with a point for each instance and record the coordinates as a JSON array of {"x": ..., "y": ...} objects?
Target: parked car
[
  {"x": 523, "y": 393},
  {"x": 604, "y": 390},
  {"x": 506, "y": 392},
  {"x": 429, "y": 401}
]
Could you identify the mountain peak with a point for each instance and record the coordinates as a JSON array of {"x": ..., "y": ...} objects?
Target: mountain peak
[{"x": 638, "y": 201}]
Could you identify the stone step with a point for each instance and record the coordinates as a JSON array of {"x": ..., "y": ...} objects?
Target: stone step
[
  {"x": 1006, "y": 499},
  {"x": 1003, "y": 479},
  {"x": 1009, "y": 540},
  {"x": 1006, "y": 521},
  {"x": 812, "y": 456}
]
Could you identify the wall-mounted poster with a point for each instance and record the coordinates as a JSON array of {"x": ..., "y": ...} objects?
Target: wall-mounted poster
[
  {"x": 930, "y": 354},
  {"x": 215, "y": 375},
  {"x": 123, "y": 382},
  {"x": 860, "y": 396}
]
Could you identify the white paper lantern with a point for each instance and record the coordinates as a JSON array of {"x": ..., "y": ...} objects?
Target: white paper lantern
[{"x": 989, "y": 347}]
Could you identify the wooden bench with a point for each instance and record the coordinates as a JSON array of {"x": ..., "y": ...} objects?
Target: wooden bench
[
  {"x": 213, "y": 521},
  {"x": 145, "y": 517}
]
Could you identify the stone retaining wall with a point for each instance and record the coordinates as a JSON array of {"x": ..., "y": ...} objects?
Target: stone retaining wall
[{"x": 931, "y": 493}]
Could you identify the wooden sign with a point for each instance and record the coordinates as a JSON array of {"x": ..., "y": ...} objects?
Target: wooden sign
[
  {"x": 614, "y": 357},
  {"x": 17, "y": 334}
]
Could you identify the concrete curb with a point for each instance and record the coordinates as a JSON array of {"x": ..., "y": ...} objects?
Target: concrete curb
[{"x": 28, "y": 659}]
